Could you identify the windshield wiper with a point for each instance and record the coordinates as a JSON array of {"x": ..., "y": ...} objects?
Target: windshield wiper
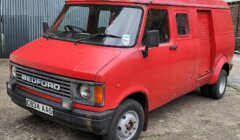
[
  {"x": 48, "y": 35},
  {"x": 97, "y": 35}
]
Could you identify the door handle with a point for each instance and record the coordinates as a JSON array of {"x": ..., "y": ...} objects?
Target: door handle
[{"x": 173, "y": 47}]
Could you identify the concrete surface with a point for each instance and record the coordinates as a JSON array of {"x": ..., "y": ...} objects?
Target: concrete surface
[{"x": 189, "y": 117}]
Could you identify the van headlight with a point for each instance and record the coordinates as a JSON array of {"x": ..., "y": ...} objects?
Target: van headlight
[
  {"x": 90, "y": 94},
  {"x": 85, "y": 92},
  {"x": 14, "y": 71}
]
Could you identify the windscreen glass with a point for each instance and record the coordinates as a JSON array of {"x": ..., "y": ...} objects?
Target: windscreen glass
[{"x": 101, "y": 25}]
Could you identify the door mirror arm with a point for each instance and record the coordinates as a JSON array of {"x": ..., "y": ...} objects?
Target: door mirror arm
[
  {"x": 152, "y": 40},
  {"x": 145, "y": 52},
  {"x": 45, "y": 27}
]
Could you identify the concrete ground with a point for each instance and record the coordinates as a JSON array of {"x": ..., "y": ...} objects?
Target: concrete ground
[{"x": 189, "y": 117}]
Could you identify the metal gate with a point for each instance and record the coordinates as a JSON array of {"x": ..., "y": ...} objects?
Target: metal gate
[{"x": 21, "y": 21}]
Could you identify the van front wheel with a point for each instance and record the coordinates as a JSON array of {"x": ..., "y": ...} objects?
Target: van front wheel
[{"x": 127, "y": 123}]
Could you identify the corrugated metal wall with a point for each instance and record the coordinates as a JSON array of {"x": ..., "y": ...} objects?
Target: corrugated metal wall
[{"x": 21, "y": 21}]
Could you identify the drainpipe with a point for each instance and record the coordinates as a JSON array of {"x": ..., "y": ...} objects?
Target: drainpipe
[
  {"x": 237, "y": 20},
  {"x": 1, "y": 36},
  {"x": 237, "y": 26},
  {"x": 1, "y": 42},
  {"x": 1, "y": 29}
]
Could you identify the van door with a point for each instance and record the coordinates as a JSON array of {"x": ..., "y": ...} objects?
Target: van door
[
  {"x": 184, "y": 52},
  {"x": 205, "y": 42},
  {"x": 160, "y": 66}
]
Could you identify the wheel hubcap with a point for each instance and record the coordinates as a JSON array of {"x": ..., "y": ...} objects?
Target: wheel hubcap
[
  {"x": 127, "y": 125},
  {"x": 222, "y": 85}
]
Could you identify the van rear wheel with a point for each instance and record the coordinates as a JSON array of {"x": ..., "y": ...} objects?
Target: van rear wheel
[
  {"x": 217, "y": 90},
  {"x": 205, "y": 90},
  {"x": 127, "y": 123}
]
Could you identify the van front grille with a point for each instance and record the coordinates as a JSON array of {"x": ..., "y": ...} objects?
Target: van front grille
[{"x": 47, "y": 82}]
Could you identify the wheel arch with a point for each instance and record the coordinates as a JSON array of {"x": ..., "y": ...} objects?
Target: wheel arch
[
  {"x": 221, "y": 64},
  {"x": 226, "y": 67},
  {"x": 142, "y": 98}
]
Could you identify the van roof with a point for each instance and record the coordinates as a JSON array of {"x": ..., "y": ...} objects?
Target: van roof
[{"x": 189, "y": 3}]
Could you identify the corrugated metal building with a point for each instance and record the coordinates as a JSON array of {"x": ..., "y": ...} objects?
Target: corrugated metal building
[{"x": 21, "y": 21}]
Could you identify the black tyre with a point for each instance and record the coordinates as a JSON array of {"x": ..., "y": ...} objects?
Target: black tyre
[
  {"x": 205, "y": 90},
  {"x": 217, "y": 90},
  {"x": 127, "y": 122}
]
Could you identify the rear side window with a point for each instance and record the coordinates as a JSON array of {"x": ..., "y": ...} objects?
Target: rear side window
[
  {"x": 157, "y": 20},
  {"x": 182, "y": 24}
]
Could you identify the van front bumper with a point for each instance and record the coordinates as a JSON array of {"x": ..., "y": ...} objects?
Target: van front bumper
[{"x": 94, "y": 122}]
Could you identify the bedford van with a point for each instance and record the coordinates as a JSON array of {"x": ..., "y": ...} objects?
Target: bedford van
[{"x": 105, "y": 64}]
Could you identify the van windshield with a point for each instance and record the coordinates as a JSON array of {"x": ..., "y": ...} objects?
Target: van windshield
[{"x": 115, "y": 26}]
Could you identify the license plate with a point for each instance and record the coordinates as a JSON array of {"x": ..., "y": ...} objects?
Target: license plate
[{"x": 39, "y": 107}]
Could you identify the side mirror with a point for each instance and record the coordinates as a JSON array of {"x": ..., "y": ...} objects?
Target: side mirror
[
  {"x": 45, "y": 26},
  {"x": 152, "y": 40}
]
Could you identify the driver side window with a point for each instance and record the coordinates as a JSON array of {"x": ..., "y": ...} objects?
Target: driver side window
[
  {"x": 157, "y": 19},
  {"x": 75, "y": 18}
]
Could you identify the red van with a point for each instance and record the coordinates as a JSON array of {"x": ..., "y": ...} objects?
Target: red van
[{"x": 105, "y": 64}]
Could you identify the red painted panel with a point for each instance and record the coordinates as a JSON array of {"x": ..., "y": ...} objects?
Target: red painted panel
[
  {"x": 80, "y": 61},
  {"x": 205, "y": 43},
  {"x": 186, "y": 56}
]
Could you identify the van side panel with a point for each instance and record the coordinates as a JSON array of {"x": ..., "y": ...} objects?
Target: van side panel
[
  {"x": 135, "y": 63},
  {"x": 206, "y": 45},
  {"x": 206, "y": 42},
  {"x": 225, "y": 42}
]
